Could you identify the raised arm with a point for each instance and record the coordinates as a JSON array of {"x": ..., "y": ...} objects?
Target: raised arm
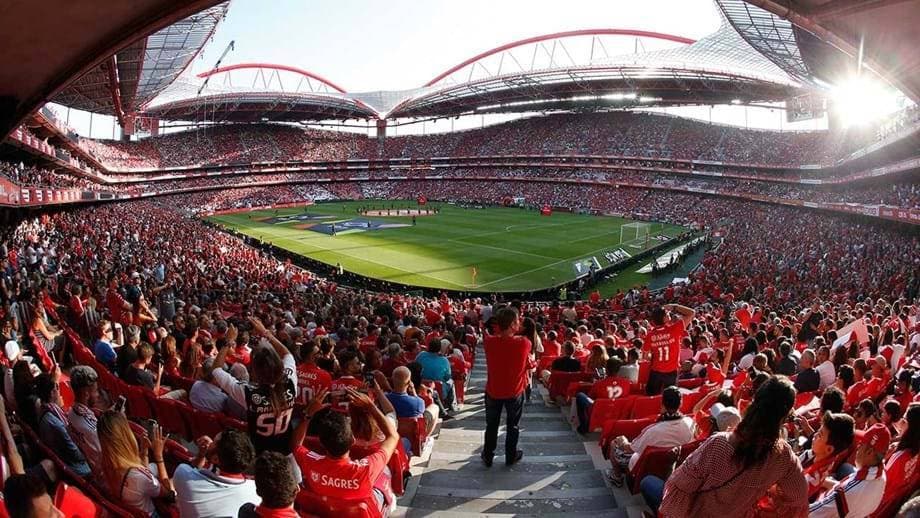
[
  {"x": 686, "y": 314},
  {"x": 260, "y": 330}
]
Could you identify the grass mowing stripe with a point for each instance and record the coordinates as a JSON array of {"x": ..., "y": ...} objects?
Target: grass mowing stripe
[{"x": 520, "y": 251}]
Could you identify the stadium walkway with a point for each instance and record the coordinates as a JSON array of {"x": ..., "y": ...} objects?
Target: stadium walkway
[{"x": 561, "y": 473}]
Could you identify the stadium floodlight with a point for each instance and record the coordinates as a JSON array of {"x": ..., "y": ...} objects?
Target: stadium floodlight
[{"x": 861, "y": 99}]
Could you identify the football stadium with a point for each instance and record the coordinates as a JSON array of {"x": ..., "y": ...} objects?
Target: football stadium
[{"x": 325, "y": 259}]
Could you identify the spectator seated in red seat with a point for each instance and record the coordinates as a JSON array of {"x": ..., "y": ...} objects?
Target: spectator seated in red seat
[
  {"x": 275, "y": 485},
  {"x": 610, "y": 387},
  {"x": 335, "y": 474},
  {"x": 26, "y": 495},
  {"x": 221, "y": 488},
  {"x": 672, "y": 429}
]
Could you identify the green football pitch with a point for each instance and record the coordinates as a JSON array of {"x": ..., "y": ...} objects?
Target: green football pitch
[{"x": 510, "y": 249}]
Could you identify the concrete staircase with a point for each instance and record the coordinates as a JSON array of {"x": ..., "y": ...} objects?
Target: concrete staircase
[{"x": 561, "y": 473}]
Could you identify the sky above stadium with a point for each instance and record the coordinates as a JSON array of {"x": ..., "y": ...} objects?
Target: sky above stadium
[{"x": 399, "y": 44}]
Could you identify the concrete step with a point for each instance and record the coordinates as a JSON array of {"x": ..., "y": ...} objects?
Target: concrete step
[{"x": 560, "y": 474}]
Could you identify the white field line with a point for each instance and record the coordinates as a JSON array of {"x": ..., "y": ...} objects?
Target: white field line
[
  {"x": 558, "y": 262},
  {"x": 509, "y": 227}
]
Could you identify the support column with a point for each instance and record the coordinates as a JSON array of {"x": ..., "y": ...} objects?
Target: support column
[{"x": 381, "y": 136}]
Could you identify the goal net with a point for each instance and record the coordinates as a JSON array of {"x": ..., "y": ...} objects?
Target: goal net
[{"x": 634, "y": 231}]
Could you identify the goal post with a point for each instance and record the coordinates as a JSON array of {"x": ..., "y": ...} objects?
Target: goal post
[{"x": 634, "y": 231}]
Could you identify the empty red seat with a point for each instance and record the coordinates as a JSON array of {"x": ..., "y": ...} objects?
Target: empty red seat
[
  {"x": 646, "y": 406},
  {"x": 171, "y": 415},
  {"x": 559, "y": 382},
  {"x": 139, "y": 401},
  {"x": 688, "y": 401},
  {"x": 205, "y": 423},
  {"x": 605, "y": 410}
]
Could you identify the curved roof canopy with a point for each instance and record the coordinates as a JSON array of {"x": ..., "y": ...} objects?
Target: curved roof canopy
[
  {"x": 568, "y": 70},
  {"x": 254, "y": 92},
  {"x": 831, "y": 32},
  {"x": 49, "y": 43},
  {"x": 136, "y": 74}
]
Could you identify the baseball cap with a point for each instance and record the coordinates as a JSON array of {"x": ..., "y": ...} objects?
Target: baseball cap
[
  {"x": 878, "y": 438},
  {"x": 725, "y": 416}
]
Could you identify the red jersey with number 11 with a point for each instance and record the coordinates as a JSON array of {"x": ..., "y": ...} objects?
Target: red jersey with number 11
[{"x": 663, "y": 343}]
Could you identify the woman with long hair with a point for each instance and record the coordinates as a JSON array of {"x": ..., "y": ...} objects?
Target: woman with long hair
[
  {"x": 124, "y": 463},
  {"x": 730, "y": 472},
  {"x": 269, "y": 395},
  {"x": 529, "y": 331},
  {"x": 597, "y": 359}
]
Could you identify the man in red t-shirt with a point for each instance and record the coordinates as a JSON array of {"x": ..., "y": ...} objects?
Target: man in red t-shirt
[
  {"x": 335, "y": 474},
  {"x": 662, "y": 346},
  {"x": 310, "y": 378},
  {"x": 506, "y": 367},
  {"x": 610, "y": 387}
]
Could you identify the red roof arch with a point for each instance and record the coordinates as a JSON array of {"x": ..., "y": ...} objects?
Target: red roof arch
[
  {"x": 271, "y": 66},
  {"x": 565, "y": 34}
]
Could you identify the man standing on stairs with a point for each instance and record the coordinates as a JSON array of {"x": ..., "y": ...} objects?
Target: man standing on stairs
[{"x": 506, "y": 367}]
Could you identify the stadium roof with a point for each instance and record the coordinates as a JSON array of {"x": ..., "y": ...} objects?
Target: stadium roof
[
  {"x": 136, "y": 74},
  {"x": 829, "y": 34},
  {"x": 548, "y": 72},
  {"x": 49, "y": 43}
]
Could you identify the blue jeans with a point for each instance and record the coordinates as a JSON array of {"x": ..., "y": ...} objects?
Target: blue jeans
[
  {"x": 652, "y": 489},
  {"x": 583, "y": 405},
  {"x": 515, "y": 408}
]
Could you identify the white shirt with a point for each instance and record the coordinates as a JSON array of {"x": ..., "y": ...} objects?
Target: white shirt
[
  {"x": 200, "y": 492},
  {"x": 664, "y": 434},
  {"x": 139, "y": 489},
  {"x": 828, "y": 374},
  {"x": 862, "y": 493}
]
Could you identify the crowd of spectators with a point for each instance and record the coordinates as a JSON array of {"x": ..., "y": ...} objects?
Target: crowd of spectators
[
  {"x": 633, "y": 134},
  {"x": 33, "y": 176},
  {"x": 194, "y": 315},
  {"x": 229, "y": 145}
]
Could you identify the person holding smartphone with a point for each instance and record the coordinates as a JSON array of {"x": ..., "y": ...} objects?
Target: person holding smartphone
[{"x": 269, "y": 396}]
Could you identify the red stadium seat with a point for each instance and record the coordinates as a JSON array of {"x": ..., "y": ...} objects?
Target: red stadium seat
[
  {"x": 74, "y": 503},
  {"x": 67, "y": 396},
  {"x": 605, "y": 410},
  {"x": 688, "y": 401},
  {"x": 645, "y": 370},
  {"x": 685, "y": 450},
  {"x": 691, "y": 383},
  {"x": 629, "y": 428},
  {"x": 559, "y": 382},
  {"x": 325, "y": 506},
  {"x": 413, "y": 428},
  {"x": 804, "y": 398},
  {"x": 172, "y": 415},
  {"x": 646, "y": 406},
  {"x": 655, "y": 460},
  {"x": 139, "y": 401},
  {"x": 460, "y": 389},
  {"x": 204, "y": 423}
]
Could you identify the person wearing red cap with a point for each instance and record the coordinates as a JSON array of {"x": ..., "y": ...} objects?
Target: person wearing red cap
[{"x": 858, "y": 494}]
